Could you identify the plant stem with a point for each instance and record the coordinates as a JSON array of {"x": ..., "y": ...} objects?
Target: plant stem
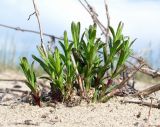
[{"x": 40, "y": 27}]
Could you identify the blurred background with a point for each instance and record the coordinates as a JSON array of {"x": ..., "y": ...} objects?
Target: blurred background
[{"x": 141, "y": 20}]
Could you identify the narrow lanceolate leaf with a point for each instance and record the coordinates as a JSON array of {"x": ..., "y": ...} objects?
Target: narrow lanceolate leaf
[
  {"x": 73, "y": 25},
  {"x": 105, "y": 54},
  {"x": 63, "y": 47},
  {"x": 66, "y": 40},
  {"x": 29, "y": 73},
  {"x": 112, "y": 31},
  {"x": 132, "y": 43},
  {"x": 119, "y": 30},
  {"x": 78, "y": 31},
  {"x": 75, "y": 29},
  {"x": 43, "y": 65}
]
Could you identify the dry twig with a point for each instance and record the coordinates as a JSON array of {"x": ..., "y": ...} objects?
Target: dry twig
[
  {"x": 123, "y": 83},
  {"x": 142, "y": 103},
  {"x": 32, "y": 31},
  {"x": 40, "y": 27},
  {"x": 94, "y": 16},
  {"x": 108, "y": 20},
  {"x": 148, "y": 91}
]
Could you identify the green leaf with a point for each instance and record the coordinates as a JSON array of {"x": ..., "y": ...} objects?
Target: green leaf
[
  {"x": 119, "y": 30},
  {"x": 66, "y": 40},
  {"x": 43, "y": 65},
  {"x": 63, "y": 47},
  {"x": 112, "y": 31},
  {"x": 29, "y": 73}
]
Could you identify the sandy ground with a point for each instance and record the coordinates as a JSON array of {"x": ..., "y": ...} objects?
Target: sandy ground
[{"x": 110, "y": 114}]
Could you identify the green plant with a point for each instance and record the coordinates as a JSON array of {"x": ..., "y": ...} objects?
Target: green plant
[
  {"x": 119, "y": 49},
  {"x": 88, "y": 59},
  {"x": 69, "y": 68},
  {"x": 31, "y": 78},
  {"x": 97, "y": 63},
  {"x": 52, "y": 65}
]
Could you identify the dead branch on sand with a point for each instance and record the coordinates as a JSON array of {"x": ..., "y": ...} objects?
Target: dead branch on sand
[
  {"x": 148, "y": 91},
  {"x": 140, "y": 102}
]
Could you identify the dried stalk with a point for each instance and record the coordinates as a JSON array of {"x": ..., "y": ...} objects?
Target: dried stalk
[
  {"x": 148, "y": 91},
  {"x": 149, "y": 71},
  {"x": 108, "y": 20},
  {"x": 142, "y": 103},
  {"x": 123, "y": 83},
  {"x": 146, "y": 69},
  {"x": 94, "y": 16},
  {"x": 78, "y": 77},
  {"x": 40, "y": 27},
  {"x": 32, "y": 31}
]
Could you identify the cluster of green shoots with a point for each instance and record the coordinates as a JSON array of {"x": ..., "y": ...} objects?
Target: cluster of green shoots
[{"x": 85, "y": 65}]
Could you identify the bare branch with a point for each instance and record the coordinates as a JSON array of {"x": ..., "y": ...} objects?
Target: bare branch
[
  {"x": 108, "y": 20},
  {"x": 32, "y": 31},
  {"x": 150, "y": 72},
  {"x": 123, "y": 83},
  {"x": 127, "y": 79},
  {"x": 145, "y": 69},
  {"x": 94, "y": 16},
  {"x": 107, "y": 13},
  {"x": 148, "y": 91},
  {"x": 40, "y": 28},
  {"x": 142, "y": 103},
  {"x": 31, "y": 15}
]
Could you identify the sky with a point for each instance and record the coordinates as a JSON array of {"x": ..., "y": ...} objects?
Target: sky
[{"x": 141, "y": 20}]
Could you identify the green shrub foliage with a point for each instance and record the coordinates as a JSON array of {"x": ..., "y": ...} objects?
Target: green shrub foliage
[{"x": 97, "y": 63}]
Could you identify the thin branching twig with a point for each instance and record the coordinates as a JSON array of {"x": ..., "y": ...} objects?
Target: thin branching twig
[
  {"x": 40, "y": 27},
  {"x": 32, "y": 31},
  {"x": 31, "y": 15},
  {"x": 123, "y": 83},
  {"x": 94, "y": 16}
]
